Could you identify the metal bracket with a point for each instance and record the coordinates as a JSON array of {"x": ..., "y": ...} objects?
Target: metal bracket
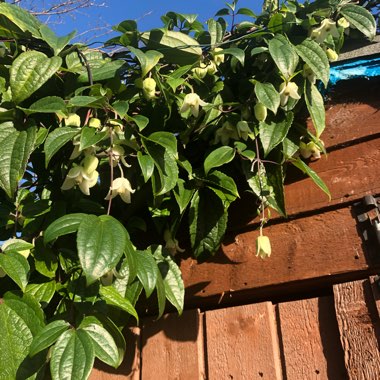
[{"x": 368, "y": 215}]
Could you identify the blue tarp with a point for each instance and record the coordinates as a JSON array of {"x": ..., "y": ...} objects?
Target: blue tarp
[{"x": 355, "y": 68}]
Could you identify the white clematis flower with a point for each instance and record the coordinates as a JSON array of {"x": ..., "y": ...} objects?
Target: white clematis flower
[
  {"x": 327, "y": 27},
  {"x": 85, "y": 175},
  {"x": 120, "y": 186},
  {"x": 192, "y": 101},
  {"x": 263, "y": 247},
  {"x": 289, "y": 89}
]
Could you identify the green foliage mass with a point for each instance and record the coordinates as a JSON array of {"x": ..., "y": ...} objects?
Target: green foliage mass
[{"x": 110, "y": 163}]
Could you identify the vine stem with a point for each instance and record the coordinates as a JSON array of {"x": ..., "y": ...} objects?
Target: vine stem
[{"x": 110, "y": 154}]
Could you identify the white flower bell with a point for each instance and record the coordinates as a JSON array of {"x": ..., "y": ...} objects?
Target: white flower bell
[
  {"x": 288, "y": 89},
  {"x": 327, "y": 27},
  {"x": 263, "y": 247},
  {"x": 192, "y": 101},
  {"x": 120, "y": 186},
  {"x": 85, "y": 175}
]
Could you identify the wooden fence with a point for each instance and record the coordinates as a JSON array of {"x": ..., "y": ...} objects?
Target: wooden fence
[
  {"x": 309, "y": 312},
  {"x": 328, "y": 337}
]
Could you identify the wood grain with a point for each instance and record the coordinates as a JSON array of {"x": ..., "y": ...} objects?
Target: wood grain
[
  {"x": 348, "y": 122},
  {"x": 310, "y": 340},
  {"x": 324, "y": 247},
  {"x": 172, "y": 347},
  {"x": 242, "y": 343},
  {"x": 130, "y": 368},
  {"x": 358, "y": 321}
]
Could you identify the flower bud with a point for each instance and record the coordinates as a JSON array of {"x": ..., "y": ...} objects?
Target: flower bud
[
  {"x": 332, "y": 55},
  {"x": 218, "y": 58},
  {"x": 200, "y": 72},
  {"x": 90, "y": 163},
  {"x": 149, "y": 88},
  {"x": 263, "y": 248},
  {"x": 211, "y": 68},
  {"x": 94, "y": 123},
  {"x": 261, "y": 112},
  {"x": 73, "y": 120}
]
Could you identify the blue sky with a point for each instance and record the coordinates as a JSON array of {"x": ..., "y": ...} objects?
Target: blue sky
[{"x": 147, "y": 13}]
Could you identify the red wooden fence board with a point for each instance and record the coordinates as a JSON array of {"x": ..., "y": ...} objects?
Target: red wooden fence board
[
  {"x": 242, "y": 343},
  {"x": 316, "y": 247},
  {"x": 310, "y": 340},
  {"x": 358, "y": 322},
  {"x": 172, "y": 347}
]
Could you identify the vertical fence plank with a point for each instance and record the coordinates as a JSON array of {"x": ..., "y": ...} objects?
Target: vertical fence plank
[
  {"x": 130, "y": 368},
  {"x": 310, "y": 340},
  {"x": 358, "y": 321},
  {"x": 172, "y": 347},
  {"x": 242, "y": 343}
]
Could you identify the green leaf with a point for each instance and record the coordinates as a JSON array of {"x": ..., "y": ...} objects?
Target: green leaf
[
  {"x": 29, "y": 71},
  {"x": 166, "y": 140},
  {"x": 361, "y": 18},
  {"x": 14, "y": 343},
  {"x": 284, "y": 55},
  {"x": 273, "y": 133},
  {"x": 121, "y": 107},
  {"x": 16, "y": 267},
  {"x": 176, "y": 47},
  {"x": 104, "y": 345},
  {"x": 55, "y": 42},
  {"x": 215, "y": 30},
  {"x": 100, "y": 242},
  {"x": 183, "y": 194},
  {"x": 218, "y": 157},
  {"x": 173, "y": 283},
  {"x": 140, "y": 120},
  {"x": 16, "y": 147},
  {"x": 86, "y": 101},
  {"x": 108, "y": 70},
  {"x": 90, "y": 136},
  {"x": 147, "y": 60},
  {"x": 49, "y": 104},
  {"x": 21, "y": 18},
  {"x": 316, "y": 107},
  {"x": 48, "y": 336},
  {"x": 17, "y": 245},
  {"x": 146, "y": 164},
  {"x": 239, "y": 54},
  {"x": 223, "y": 186},
  {"x": 268, "y": 95},
  {"x": 113, "y": 298},
  {"x": 45, "y": 260},
  {"x": 56, "y": 140},
  {"x": 72, "y": 356},
  {"x": 161, "y": 151},
  {"x": 316, "y": 58},
  {"x": 134, "y": 291},
  {"x": 147, "y": 271},
  {"x": 161, "y": 297},
  {"x": 42, "y": 292},
  {"x": 208, "y": 222},
  {"x": 298, "y": 163},
  {"x": 27, "y": 308},
  {"x": 246, "y": 12},
  {"x": 65, "y": 225}
]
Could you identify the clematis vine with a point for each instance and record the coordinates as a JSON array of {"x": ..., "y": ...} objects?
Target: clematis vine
[
  {"x": 310, "y": 150},
  {"x": 120, "y": 186},
  {"x": 288, "y": 89},
  {"x": 85, "y": 175},
  {"x": 327, "y": 28},
  {"x": 192, "y": 101},
  {"x": 226, "y": 132}
]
